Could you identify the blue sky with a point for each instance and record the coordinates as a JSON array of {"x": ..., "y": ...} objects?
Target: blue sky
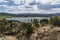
[{"x": 30, "y": 6}]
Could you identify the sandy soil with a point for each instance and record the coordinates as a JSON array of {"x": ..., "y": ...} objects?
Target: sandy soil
[{"x": 11, "y": 38}]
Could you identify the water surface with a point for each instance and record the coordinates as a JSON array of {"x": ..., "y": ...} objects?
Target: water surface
[{"x": 26, "y": 19}]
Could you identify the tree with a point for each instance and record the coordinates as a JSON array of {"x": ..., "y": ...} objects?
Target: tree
[
  {"x": 29, "y": 29},
  {"x": 55, "y": 20},
  {"x": 45, "y": 21},
  {"x": 36, "y": 22}
]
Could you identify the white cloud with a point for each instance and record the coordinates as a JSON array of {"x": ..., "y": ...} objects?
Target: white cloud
[
  {"x": 31, "y": 9},
  {"x": 55, "y": 10},
  {"x": 3, "y": 1},
  {"x": 35, "y": 7},
  {"x": 22, "y": 9},
  {"x": 26, "y": 2},
  {"x": 16, "y": 1},
  {"x": 19, "y": 9},
  {"x": 54, "y": 2}
]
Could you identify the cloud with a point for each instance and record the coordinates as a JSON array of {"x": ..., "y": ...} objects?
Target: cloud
[
  {"x": 16, "y": 1},
  {"x": 55, "y": 10},
  {"x": 1, "y": 0},
  {"x": 54, "y": 2},
  {"x": 16, "y": 6},
  {"x": 22, "y": 9},
  {"x": 19, "y": 9}
]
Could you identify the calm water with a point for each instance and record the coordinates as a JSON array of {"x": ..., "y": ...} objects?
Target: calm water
[{"x": 26, "y": 19}]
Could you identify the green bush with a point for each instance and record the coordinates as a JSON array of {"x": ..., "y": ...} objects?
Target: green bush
[
  {"x": 28, "y": 27},
  {"x": 36, "y": 22},
  {"x": 55, "y": 20},
  {"x": 44, "y": 21}
]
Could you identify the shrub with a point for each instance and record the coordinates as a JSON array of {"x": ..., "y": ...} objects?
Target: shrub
[
  {"x": 55, "y": 20},
  {"x": 36, "y": 22},
  {"x": 44, "y": 21},
  {"x": 28, "y": 27}
]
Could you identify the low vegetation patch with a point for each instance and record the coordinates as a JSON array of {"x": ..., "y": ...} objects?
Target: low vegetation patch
[{"x": 24, "y": 30}]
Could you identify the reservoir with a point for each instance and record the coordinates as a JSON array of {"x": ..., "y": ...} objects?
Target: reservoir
[{"x": 26, "y": 19}]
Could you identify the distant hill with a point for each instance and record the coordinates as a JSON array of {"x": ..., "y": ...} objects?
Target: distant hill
[{"x": 30, "y": 15}]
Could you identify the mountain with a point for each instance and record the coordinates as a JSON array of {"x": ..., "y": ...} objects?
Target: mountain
[{"x": 30, "y": 15}]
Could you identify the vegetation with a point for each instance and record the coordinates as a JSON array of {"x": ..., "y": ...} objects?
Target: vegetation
[
  {"x": 24, "y": 30},
  {"x": 36, "y": 22},
  {"x": 55, "y": 20},
  {"x": 3, "y": 17},
  {"x": 45, "y": 21}
]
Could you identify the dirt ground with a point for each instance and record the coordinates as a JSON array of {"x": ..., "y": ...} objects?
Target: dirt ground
[{"x": 10, "y": 38}]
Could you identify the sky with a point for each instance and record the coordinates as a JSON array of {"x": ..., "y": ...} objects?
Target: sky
[{"x": 30, "y": 6}]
